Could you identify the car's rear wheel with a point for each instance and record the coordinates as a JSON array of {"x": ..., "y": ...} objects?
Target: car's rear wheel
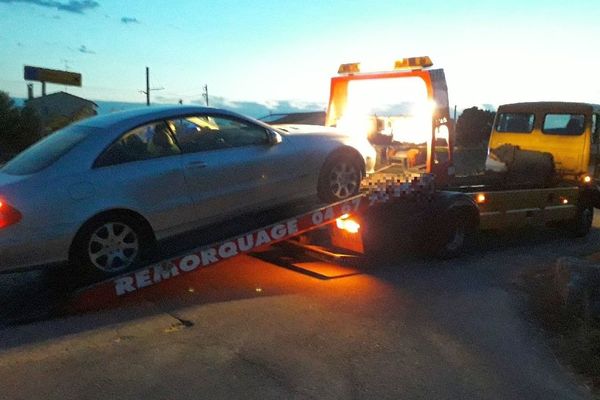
[
  {"x": 110, "y": 245},
  {"x": 339, "y": 179}
]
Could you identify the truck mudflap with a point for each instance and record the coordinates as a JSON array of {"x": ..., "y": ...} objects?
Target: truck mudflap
[
  {"x": 110, "y": 290},
  {"x": 593, "y": 193}
]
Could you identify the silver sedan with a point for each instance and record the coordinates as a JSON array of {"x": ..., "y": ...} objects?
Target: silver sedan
[{"x": 100, "y": 192}]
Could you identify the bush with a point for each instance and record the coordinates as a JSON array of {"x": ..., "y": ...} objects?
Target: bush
[{"x": 474, "y": 126}]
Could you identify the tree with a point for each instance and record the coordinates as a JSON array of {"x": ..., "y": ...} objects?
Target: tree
[
  {"x": 19, "y": 128},
  {"x": 474, "y": 126},
  {"x": 9, "y": 123},
  {"x": 30, "y": 127}
]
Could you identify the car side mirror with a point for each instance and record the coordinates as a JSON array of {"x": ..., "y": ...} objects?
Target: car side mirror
[{"x": 274, "y": 137}]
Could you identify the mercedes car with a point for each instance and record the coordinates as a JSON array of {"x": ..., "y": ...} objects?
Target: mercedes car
[{"x": 99, "y": 193}]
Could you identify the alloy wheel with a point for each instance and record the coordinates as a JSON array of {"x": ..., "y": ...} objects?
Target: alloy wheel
[
  {"x": 113, "y": 247},
  {"x": 344, "y": 179}
]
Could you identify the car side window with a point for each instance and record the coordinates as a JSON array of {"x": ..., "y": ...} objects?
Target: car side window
[
  {"x": 197, "y": 133},
  {"x": 142, "y": 143},
  {"x": 203, "y": 133}
]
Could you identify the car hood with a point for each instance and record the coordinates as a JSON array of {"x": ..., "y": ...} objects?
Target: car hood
[{"x": 313, "y": 130}]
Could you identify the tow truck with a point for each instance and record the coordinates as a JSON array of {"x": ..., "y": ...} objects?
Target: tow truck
[
  {"x": 543, "y": 158},
  {"x": 415, "y": 196}
]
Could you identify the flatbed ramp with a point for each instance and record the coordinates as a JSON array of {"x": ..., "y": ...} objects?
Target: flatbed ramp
[{"x": 111, "y": 291}]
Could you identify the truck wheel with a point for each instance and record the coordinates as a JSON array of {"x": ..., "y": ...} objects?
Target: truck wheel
[
  {"x": 452, "y": 237},
  {"x": 582, "y": 224}
]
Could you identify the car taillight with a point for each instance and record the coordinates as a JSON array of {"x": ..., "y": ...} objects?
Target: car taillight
[{"x": 8, "y": 215}]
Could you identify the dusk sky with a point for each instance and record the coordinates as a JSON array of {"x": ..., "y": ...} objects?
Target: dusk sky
[{"x": 265, "y": 51}]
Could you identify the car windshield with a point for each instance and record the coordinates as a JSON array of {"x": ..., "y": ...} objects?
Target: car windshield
[{"x": 47, "y": 151}]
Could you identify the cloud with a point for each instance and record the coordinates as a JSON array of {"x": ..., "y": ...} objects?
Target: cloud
[
  {"x": 73, "y": 6},
  {"x": 260, "y": 109},
  {"x": 251, "y": 108},
  {"x": 83, "y": 49},
  {"x": 129, "y": 20}
]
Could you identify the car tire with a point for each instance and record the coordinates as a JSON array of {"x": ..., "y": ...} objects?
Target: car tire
[
  {"x": 339, "y": 179},
  {"x": 110, "y": 245}
]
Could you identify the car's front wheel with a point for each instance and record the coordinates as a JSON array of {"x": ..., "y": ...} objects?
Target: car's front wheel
[
  {"x": 109, "y": 245},
  {"x": 339, "y": 179}
]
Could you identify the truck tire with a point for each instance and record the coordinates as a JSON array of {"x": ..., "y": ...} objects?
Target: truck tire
[
  {"x": 452, "y": 236},
  {"x": 582, "y": 224}
]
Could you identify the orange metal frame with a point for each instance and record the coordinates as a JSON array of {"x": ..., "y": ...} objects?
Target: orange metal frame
[{"x": 339, "y": 92}]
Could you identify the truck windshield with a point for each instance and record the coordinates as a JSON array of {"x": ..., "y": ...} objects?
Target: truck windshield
[{"x": 396, "y": 107}]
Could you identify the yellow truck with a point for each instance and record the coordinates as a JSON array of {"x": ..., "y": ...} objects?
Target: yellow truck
[
  {"x": 542, "y": 156},
  {"x": 562, "y": 135},
  {"x": 568, "y": 131}
]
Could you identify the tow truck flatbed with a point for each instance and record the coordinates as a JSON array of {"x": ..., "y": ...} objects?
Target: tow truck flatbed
[{"x": 108, "y": 291}]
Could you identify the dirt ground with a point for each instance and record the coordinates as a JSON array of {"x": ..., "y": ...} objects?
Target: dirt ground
[{"x": 411, "y": 328}]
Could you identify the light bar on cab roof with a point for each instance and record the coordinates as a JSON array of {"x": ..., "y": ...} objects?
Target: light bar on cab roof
[
  {"x": 404, "y": 63},
  {"x": 413, "y": 63},
  {"x": 350, "y": 68}
]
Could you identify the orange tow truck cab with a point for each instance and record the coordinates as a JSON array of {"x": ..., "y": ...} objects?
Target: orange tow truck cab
[{"x": 403, "y": 111}]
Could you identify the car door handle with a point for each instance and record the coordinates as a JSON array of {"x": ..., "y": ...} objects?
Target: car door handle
[{"x": 196, "y": 164}]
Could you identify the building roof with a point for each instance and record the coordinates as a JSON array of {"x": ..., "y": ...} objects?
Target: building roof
[{"x": 53, "y": 96}]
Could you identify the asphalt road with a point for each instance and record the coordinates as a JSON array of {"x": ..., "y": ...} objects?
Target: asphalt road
[{"x": 412, "y": 328}]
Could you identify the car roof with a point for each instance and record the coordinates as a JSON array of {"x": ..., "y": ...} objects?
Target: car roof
[{"x": 143, "y": 114}]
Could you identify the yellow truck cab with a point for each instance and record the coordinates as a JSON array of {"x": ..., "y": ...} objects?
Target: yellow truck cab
[
  {"x": 556, "y": 139},
  {"x": 568, "y": 131}
]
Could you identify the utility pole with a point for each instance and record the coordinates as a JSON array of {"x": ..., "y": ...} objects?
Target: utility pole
[
  {"x": 205, "y": 94},
  {"x": 147, "y": 91},
  {"x": 147, "y": 86}
]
